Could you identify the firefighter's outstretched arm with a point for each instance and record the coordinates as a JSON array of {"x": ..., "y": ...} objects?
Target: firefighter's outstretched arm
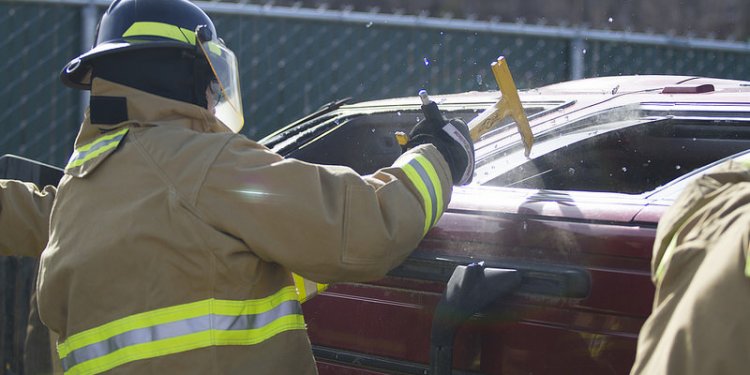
[
  {"x": 24, "y": 217},
  {"x": 327, "y": 223}
]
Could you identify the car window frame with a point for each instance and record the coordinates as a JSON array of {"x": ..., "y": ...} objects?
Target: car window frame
[{"x": 650, "y": 111}]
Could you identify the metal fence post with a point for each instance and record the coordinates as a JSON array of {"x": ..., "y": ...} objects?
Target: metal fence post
[
  {"x": 88, "y": 30},
  {"x": 577, "y": 52}
]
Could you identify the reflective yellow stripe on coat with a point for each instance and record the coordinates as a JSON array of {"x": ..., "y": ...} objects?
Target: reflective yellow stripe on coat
[
  {"x": 97, "y": 147},
  {"x": 181, "y": 328},
  {"x": 422, "y": 174},
  {"x": 307, "y": 289}
]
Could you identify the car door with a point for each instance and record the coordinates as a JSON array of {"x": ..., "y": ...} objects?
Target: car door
[{"x": 585, "y": 292}]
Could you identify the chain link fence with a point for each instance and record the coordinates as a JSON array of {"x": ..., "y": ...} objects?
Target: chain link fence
[
  {"x": 608, "y": 58},
  {"x": 293, "y": 60},
  {"x": 39, "y": 116}
]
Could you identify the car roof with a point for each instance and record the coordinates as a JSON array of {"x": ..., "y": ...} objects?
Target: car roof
[
  {"x": 635, "y": 83},
  {"x": 650, "y": 86}
]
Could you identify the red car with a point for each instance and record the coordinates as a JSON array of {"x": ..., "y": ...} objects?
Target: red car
[{"x": 559, "y": 243}]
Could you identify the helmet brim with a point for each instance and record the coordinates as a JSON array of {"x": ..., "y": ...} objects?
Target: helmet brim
[{"x": 77, "y": 72}]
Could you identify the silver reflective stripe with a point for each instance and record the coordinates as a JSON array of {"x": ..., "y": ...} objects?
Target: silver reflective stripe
[
  {"x": 93, "y": 149},
  {"x": 179, "y": 328},
  {"x": 454, "y": 133},
  {"x": 430, "y": 187}
]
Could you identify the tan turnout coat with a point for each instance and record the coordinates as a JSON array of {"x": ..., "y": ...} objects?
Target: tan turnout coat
[
  {"x": 168, "y": 246},
  {"x": 700, "y": 322}
]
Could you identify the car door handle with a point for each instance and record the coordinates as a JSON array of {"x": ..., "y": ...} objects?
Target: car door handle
[{"x": 536, "y": 278}]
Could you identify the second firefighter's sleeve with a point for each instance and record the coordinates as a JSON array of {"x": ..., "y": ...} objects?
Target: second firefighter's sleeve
[
  {"x": 326, "y": 223},
  {"x": 24, "y": 217}
]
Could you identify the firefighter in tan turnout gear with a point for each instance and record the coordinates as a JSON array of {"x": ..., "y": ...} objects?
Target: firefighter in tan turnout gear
[
  {"x": 170, "y": 243},
  {"x": 701, "y": 268}
]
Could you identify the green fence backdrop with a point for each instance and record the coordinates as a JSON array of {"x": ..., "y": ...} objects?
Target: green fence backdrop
[{"x": 293, "y": 60}]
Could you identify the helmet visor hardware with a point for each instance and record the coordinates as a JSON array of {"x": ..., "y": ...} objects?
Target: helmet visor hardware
[{"x": 73, "y": 65}]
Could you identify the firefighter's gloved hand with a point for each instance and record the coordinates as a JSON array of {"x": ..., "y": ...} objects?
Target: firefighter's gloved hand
[{"x": 452, "y": 139}]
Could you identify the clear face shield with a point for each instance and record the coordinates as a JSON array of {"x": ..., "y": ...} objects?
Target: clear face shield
[{"x": 223, "y": 94}]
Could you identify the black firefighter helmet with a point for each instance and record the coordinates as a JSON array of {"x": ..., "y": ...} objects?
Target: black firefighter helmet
[{"x": 166, "y": 47}]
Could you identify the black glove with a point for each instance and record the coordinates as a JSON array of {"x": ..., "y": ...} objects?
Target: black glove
[{"x": 450, "y": 137}]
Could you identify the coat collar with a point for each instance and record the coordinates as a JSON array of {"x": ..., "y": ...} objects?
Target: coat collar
[
  {"x": 145, "y": 108},
  {"x": 142, "y": 109}
]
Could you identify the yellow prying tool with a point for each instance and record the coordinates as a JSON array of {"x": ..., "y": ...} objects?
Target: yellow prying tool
[{"x": 509, "y": 104}]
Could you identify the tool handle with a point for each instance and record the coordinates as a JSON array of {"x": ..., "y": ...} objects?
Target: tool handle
[{"x": 431, "y": 111}]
